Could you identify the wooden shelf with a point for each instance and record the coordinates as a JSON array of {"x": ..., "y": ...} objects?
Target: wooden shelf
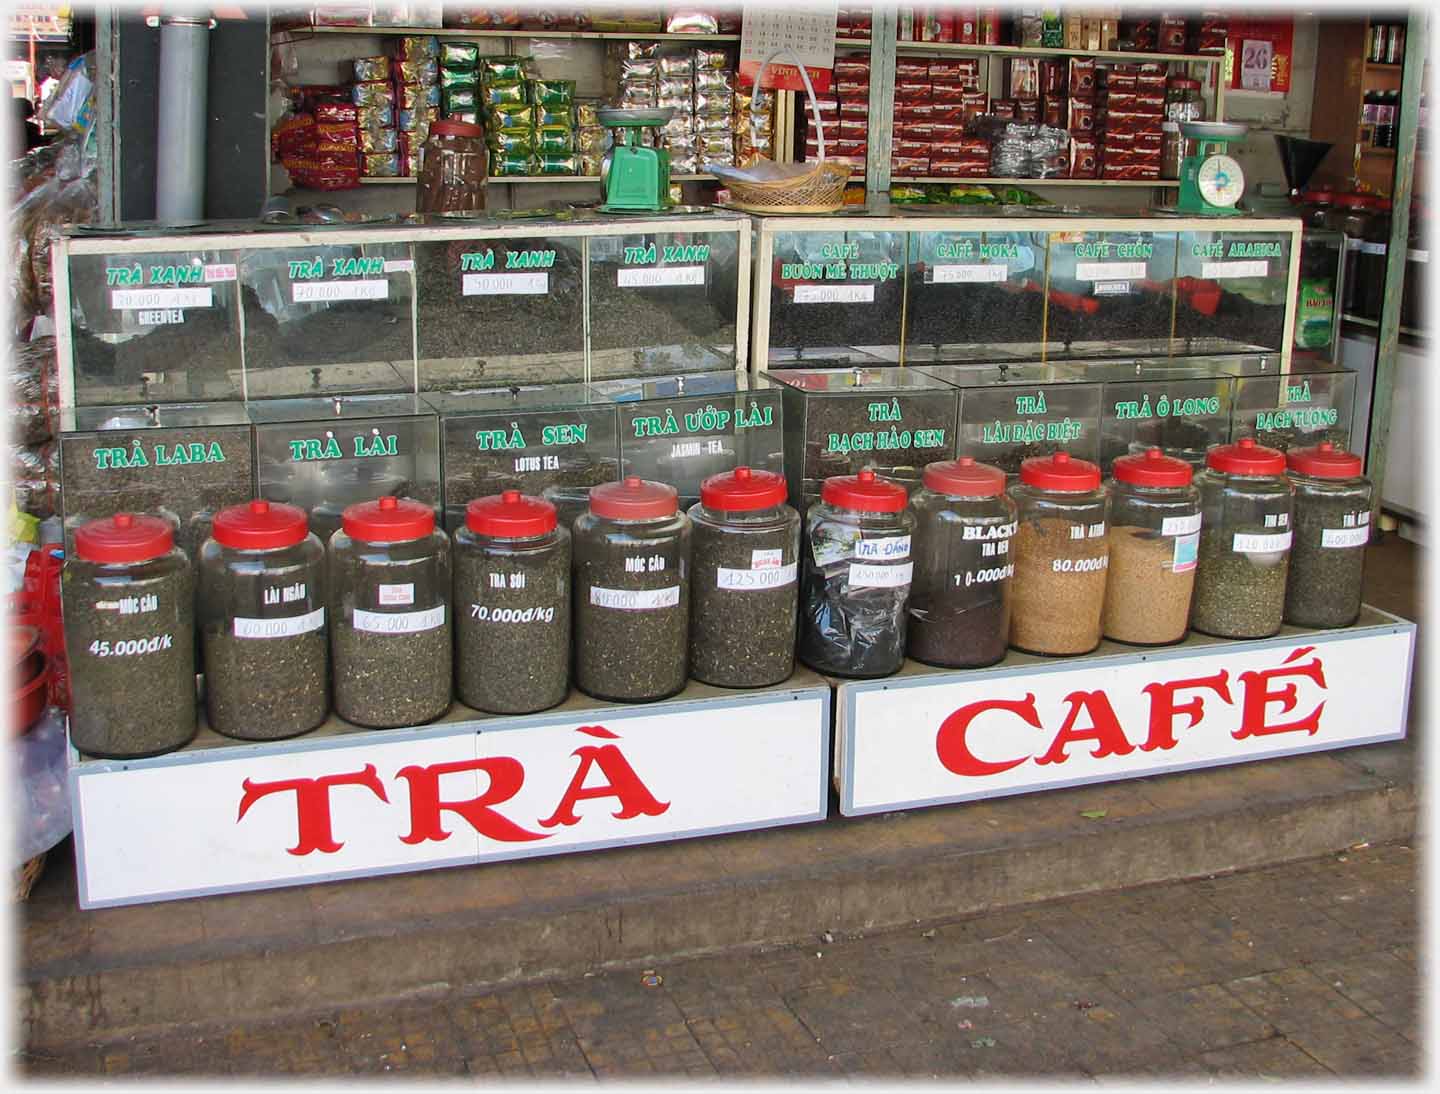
[
  {"x": 946, "y": 48},
  {"x": 507, "y": 179},
  {"x": 1023, "y": 183},
  {"x": 453, "y": 32}
]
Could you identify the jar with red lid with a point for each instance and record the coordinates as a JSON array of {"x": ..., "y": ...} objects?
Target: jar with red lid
[
  {"x": 857, "y": 572},
  {"x": 390, "y": 629},
  {"x": 1061, "y": 555},
  {"x": 1333, "y": 499},
  {"x": 746, "y": 550},
  {"x": 512, "y": 604},
  {"x": 960, "y": 597},
  {"x": 128, "y": 601},
  {"x": 262, "y": 623},
  {"x": 631, "y": 586},
  {"x": 1154, "y": 539},
  {"x": 1246, "y": 506},
  {"x": 453, "y": 169}
]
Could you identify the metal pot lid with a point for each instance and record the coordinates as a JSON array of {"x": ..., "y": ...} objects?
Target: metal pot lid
[
  {"x": 1213, "y": 130},
  {"x": 655, "y": 115}
]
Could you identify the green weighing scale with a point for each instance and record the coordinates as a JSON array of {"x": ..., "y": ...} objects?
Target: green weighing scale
[
  {"x": 633, "y": 177},
  {"x": 1211, "y": 182}
]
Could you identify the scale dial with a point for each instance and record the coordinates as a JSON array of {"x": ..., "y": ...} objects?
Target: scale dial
[{"x": 1220, "y": 181}]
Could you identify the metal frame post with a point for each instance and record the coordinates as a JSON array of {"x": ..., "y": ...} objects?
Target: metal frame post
[{"x": 883, "y": 23}]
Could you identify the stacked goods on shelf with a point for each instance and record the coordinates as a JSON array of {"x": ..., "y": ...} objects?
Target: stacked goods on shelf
[
  {"x": 552, "y": 104},
  {"x": 1080, "y": 118},
  {"x": 373, "y": 95},
  {"x": 853, "y": 22},
  {"x": 714, "y": 109},
  {"x": 754, "y": 126},
  {"x": 675, "y": 90},
  {"x": 589, "y": 136},
  {"x": 844, "y": 114},
  {"x": 459, "y": 87},
  {"x": 417, "y": 100},
  {"x": 509, "y": 117},
  {"x": 935, "y": 101},
  {"x": 1130, "y": 109},
  {"x": 698, "y": 85},
  {"x": 318, "y": 158}
]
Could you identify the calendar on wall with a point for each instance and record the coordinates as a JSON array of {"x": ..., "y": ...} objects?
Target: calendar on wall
[{"x": 807, "y": 27}]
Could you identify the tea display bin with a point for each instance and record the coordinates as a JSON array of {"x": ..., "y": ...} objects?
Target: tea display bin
[
  {"x": 1304, "y": 406},
  {"x": 1109, "y": 293},
  {"x": 326, "y": 454},
  {"x": 1181, "y": 407}
]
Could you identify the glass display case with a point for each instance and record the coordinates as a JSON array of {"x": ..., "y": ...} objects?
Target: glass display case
[
  {"x": 523, "y": 438},
  {"x": 1309, "y": 403},
  {"x": 1233, "y": 291},
  {"x": 183, "y": 462},
  {"x": 499, "y": 311},
  {"x": 680, "y": 430},
  {"x": 1180, "y": 406},
  {"x": 1109, "y": 293},
  {"x": 154, "y": 327},
  {"x": 324, "y": 454},
  {"x": 840, "y": 421}
]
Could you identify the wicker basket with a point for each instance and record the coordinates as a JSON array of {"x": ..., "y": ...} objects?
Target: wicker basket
[
  {"x": 27, "y": 875},
  {"x": 819, "y": 190}
]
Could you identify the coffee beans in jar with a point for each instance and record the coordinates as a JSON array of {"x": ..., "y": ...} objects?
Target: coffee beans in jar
[
  {"x": 512, "y": 604},
  {"x": 1061, "y": 556},
  {"x": 746, "y": 547},
  {"x": 390, "y": 624},
  {"x": 1332, "y": 530},
  {"x": 631, "y": 588},
  {"x": 128, "y": 600},
  {"x": 1245, "y": 536},
  {"x": 960, "y": 598},
  {"x": 262, "y": 623},
  {"x": 856, "y": 577},
  {"x": 1154, "y": 541}
]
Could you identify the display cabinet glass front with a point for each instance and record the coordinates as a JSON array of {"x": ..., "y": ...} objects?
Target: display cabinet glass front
[
  {"x": 1307, "y": 405},
  {"x": 1109, "y": 293},
  {"x": 1323, "y": 274},
  {"x": 834, "y": 291},
  {"x": 183, "y": 462},
  {"x": 1231, "y": 291},
  {"x": 523, "y": 438},
  {"x": 682, "y": 429},
  {"x": 974, "y": 295},
  {"x": 326, "y": 454},
  {"x": 663, "y": 302},
  {"x": 329, "y": 319},
  {"x": 154, "y": 327},
  {"x": 1181, "y": 407},
  {"x": 500, "y": 311}
]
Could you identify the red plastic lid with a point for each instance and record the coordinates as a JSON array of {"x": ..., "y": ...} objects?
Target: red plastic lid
[
  {"x": 1350, "y": 201},
  {"x": 457, "y": 129},
  {"x": 125, "y": 537},
  {"x": 1151, "y": 468},
  {"x": 864, "y": 492},
  {"x": 260, "y": 526},
  {"x": 1325, "y": 461},
  {"x": 633, "y": 499},
  {"x": 1327, "y": 196},
  {"x": 1060, "y": 471},
  {"x": 388, "y": 520},
  {"x": 1185, "y": 83},
  {"x": 510, "y": 515},
  {"x": 964, "y": 478},
  {"x": 743, "y": 490},
  {"x": 1245, "y": 457}
]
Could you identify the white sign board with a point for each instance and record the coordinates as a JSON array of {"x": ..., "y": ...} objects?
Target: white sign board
[
  {"x": 940, "y": 737},
  {"x": 374, "y": 802}
]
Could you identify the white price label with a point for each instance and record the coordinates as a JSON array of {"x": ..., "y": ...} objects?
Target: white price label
[
  {"x": 866, "y": 575},
  {"x": 1218, "y": 271},
  {"x": 1109, "y": 271},
  {"x": 767, "y": 559},
  {"x": 951, "y": 275},
  {"x": 663, "y": 275},
  {"x": 224, "y": 271},
  {"x": 1369, "y": 248},
  {"x": 394, "y": 596},
  {"x": 834, "y": 294},
  {"x": 1180, "y": 526},
  {"x": 320, "y": 292},
  {"x": 500, "y": 284},
  {"x": 1344, "y": 537},
  {"x": 635, "y": 600},
  {"x": 130, "y": 299},
  {"x": 1250, "y": 544},
  {"x": 400, "y": 622},
  {"x": 1416, "y": 255},
  {"x": 399, "y": 265},
  {"x": 280, "y": 628},
  {"x": 773, "y": 577},
  {"x": 1111, "y": 288},
  {"x": 887, "y": 548}
]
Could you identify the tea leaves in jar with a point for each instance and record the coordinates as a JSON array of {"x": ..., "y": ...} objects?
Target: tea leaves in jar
[{"x": 1333, "y": 499}]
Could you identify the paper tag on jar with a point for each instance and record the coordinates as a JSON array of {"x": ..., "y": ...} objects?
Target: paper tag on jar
[
  {"x": 154, "y": 299},
  {"x": 1110, "y": 271},
  {"x": 320, "y": 292},
  {"x": 773, "y": 577},
  {"x": 501, "y": 284},
  {"x": 954, "y": 275},
  {"x": 280, "y": 628},
  {"x": 400, "y": 622},
  {"x": 651, "y": 277},
  {"x": 1187, "y": 551},
  {"x": 886, "y": 548},
  {"x": 1250, "y": 544},
  {"x": 1219, "y": 270},
  {"x": 1180, "y": 526},
  {"x": 834, "y": 294},
  {"x": 1344, "y": 537},
  {"x": 635, "y": 600},
  {"x": 767, "y": 559},
  {"x": 394, "y": 596},
  {"x": 865, "y": 575}
]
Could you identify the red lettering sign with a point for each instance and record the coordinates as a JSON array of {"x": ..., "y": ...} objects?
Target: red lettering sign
[
  {"x": 312, "y": 805},
  {"x": 1258, "y": 695}
]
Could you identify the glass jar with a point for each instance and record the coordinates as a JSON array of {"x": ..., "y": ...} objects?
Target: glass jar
[
  {"x": 1154, "y": 542},
  {"x": 1315, "y": 206},
  {"x": 512, "y": 599},
  {"x": 746, "y": 549},
  {"x": 128, "y": 600},
  {"x": 1365, "y": 266},
  {"x": 262, "y": 623},
  {"x": 1332, "y": 529},
  {"x": 1061, "y": 556},
  {"x": 1349, "y": 215},
  {"x": 857, "y": 572},
  {"x": 569, "y": 500},
  {"x": 1246, "y": 503},
  {"x": 632, "y": 592},
  {"x": 390, "y": 614},
  {"x": 1183, "y": 101},
  {"x": 453, "y": 169},
  {"x": 960, "y": 596}
]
